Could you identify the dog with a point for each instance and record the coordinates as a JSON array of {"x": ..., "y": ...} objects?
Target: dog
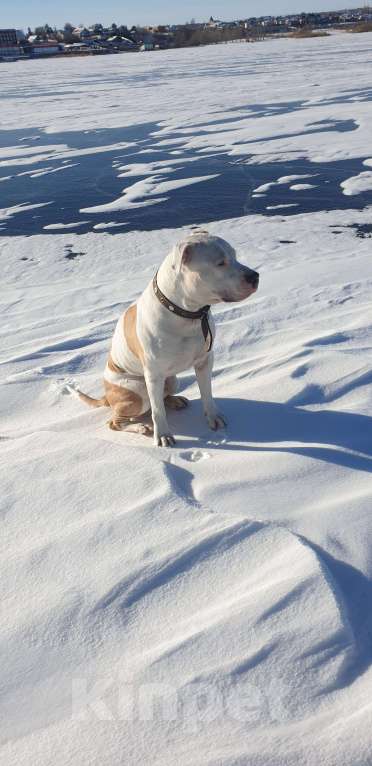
[{"x": 168, "y": 330}]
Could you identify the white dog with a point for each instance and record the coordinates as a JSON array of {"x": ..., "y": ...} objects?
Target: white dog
[{"x": 169, "y": 330}]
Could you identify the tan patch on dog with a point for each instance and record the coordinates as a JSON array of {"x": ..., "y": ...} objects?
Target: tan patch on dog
[
  {"x": 130, "y": 332},
  {"x": 135, "y": 428},
  {"x": 112, "y": 366},
  {"x": 90, "y": 399},
  {"x": 124, "y": 403}
]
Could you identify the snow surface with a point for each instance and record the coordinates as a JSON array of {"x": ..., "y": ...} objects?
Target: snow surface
[
  {"x": 152, "y": 185},
  {"x": 358, "y": 184},
  {"x": 209, "y": 604},
  {"x": 55, "y": 226},
  {"x": 8, "y": 212},
  {"x": 302, "y": 187}
]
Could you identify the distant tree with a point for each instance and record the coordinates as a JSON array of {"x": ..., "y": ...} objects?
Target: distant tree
[
  {"x": 44, "y": 32},
  {"x": 189, "y": 36},
  {"x": 40, "y": 32},
  {"x": 53, "y": 33},
  {"x": 68, "y": 32},
  {"x": 364, "y": 26},
  {"x": 183, "y": 37}
]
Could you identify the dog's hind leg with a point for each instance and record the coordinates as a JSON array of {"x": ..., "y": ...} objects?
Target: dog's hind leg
[
  {"x": 125, "y": 424},
  {"x": 124, "y": 418},
  {"x": 171, "y": 401}
]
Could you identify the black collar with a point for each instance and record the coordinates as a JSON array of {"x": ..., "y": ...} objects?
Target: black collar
[{"x": 200, "y": 314}]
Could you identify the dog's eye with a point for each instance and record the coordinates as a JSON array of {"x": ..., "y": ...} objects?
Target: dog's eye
[{"x": 221, "y": 263}]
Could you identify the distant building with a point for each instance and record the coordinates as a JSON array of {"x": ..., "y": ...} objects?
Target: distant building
[
  {"x": 8, "y": 37},
  {"x": 148, "y": 42},
  {"x": 120, "y": 43},
  {"x": 48, "y": 48},
  {"x": 10, "y": 49}
]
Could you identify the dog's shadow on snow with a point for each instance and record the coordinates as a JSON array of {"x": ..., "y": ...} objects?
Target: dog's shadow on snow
[{"x": 341, "y": 438}]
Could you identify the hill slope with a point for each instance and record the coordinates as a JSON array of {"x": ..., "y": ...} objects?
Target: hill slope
[{"x": 208, "y": 604}]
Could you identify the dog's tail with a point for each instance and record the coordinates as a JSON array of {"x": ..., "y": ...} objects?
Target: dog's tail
[{"x": 88, "y": 399}]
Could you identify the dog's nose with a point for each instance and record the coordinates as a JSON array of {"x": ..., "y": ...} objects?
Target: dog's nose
[{"x": 252, "y": 277}]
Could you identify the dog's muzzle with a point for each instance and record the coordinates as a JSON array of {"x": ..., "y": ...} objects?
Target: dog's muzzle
[{"x": 252, "y": 277}]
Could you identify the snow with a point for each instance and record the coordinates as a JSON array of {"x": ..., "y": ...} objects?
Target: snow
[
  {"x": 151, "y": 186},
  {"x": 284, "y": 180},
  {"x": 8, "y": 212},
  {"x": 208, "y": 604},
  {"x": 108, "y": 225},
  {"x": 147, "y": 168},
  {"x": 357, "y": 184},
  {"x": 35, "y": 154},
  {"x": 301, "y": 187},
  {"x": 279, "y": 207},
  {"x": 56, "y": 226},
  {"x": 48, "y": 171}
]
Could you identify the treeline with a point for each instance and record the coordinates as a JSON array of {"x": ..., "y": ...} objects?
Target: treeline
[
  {"x": 187, "y": 36},
  {"x": 365, "y": 26}
]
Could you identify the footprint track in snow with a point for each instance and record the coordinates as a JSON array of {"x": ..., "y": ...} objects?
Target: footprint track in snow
[{"x": 195, "y": 455}]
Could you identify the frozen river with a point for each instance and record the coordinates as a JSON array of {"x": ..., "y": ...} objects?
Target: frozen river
[{"x": 282, "y": 156}]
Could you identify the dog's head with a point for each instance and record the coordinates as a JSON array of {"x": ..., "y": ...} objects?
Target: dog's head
[{"x": 210, "y": 271}]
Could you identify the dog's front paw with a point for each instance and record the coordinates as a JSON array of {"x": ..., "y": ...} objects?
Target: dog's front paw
[
  {"x": 164, "y": 440},
  {"x": 215, "y": 420}
]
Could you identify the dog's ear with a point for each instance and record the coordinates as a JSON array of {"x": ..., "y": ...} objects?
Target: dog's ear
[
  {"x": 186, "y": 253},
  {"x": 182, "y": 255}
]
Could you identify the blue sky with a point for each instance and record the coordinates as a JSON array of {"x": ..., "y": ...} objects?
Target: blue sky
[{"x": 23, "y": 13}]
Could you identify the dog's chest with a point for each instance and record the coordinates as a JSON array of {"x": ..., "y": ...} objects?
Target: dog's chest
[
  {"x": 173, "y": 343},
  {"x": 173, "y": 352},
  {"x": 176, "y": 353}
]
